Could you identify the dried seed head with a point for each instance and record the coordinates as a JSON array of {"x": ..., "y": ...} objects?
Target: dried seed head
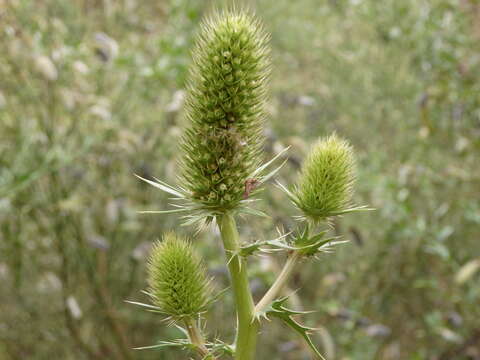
[
  {"x": 325, "y": 185},
  {"x": 225, "y": 107},
  {"x": 176, "y": 278}
]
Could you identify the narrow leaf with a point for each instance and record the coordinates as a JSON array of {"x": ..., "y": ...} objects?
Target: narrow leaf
[
  {"x": 162, "y": 211},
  {"x": 267, "y": 164},
  {"x": 167, "y": 344},
  {"x": 143, "y": 305},
  {"x": 276, "y": 309},
  {"x": 162, "y": 186}
]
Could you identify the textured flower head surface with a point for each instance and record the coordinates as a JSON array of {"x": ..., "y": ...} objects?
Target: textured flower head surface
[
  {"x": 325, "y": 186},
  {"x": 225, "y": 108},
  {"x": 177, "y": 279}
]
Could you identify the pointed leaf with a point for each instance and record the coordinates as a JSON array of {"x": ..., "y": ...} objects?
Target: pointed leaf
[
  {"x": 353, "y": 209},
  {"x": 276, "y": 309},
  {"x": 285, "y": 190},
  {"x": 272, "y": 173},
  {"x": 166, "y": 344},
  {"x": 162, "y": 186},
  {"x": 251, "y": 211},
  {"x": 302, "y": 331},
  {"x": 152, "y": 307},
  {"x": 162, "y": 211},
  {"x": 267, "y": 164}
]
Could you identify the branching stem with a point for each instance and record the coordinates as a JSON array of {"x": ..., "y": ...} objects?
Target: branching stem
[
  {"x": 247, "y": 326},
  {"x": 279, "y": 283}
]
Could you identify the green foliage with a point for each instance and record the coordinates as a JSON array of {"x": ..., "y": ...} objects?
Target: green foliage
[
  {"x": 277, "y": 309},
  {"x": 325, "y": 185},
  {"x": 225, "y": 106},
  {"x": 177, "y": 279}
]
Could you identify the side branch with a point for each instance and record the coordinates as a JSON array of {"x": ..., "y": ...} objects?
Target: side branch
[{"x": 279, "y": 283}]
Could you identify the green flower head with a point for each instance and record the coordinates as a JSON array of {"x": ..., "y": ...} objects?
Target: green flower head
[
  {"x": 326, "y": 181},
  {"x": 177, "y": 279},
  {"x": 225, "y": 108}
]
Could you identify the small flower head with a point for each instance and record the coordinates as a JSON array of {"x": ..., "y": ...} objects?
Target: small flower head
[
  {"x": 325, "y": 185},
  {"x": 225, "y": 107},
  {"x": 177, "y": 282}
]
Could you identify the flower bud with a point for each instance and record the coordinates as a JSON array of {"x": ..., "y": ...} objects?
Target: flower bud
[
  {"x": 177, "y": 279},
  {"x": 325, "y": 185},
  {"x": 225, "y": 107}
]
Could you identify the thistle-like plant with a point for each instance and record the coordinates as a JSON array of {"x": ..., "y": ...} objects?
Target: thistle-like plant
[
  {"x": 219, "y": 172},
  {"x": 225, "y": 107},
  {"x": 178, "y": 287},
  {"x": 177, "y": 282},
  {"x": 325, "y": 186}
]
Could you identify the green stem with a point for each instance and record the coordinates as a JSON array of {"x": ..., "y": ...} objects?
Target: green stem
[
  {"x": 280, "y": 282},
  {"x": 197, "y": 339},
  {"x": 247, "y": 326}
]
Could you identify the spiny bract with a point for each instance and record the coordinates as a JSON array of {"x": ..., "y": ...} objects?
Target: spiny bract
[
  {"x": 325, "y": 185},
  {"x": 225, "y": 107},
  {"x": 176, "y": 278}
]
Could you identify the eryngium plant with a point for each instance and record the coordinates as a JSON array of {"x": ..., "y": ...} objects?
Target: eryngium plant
[
  {"x": 219, "y": 170},
  {"x": 225, "y": 107},
  {"x": 176, "y": 278},
  {"x": 326, "y": 183}
]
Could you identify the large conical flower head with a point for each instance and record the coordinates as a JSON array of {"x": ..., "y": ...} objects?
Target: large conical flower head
[
  {"x": 325, "y": 185},
  {"x": 177, "y": 279},
  {"x": 225, "y": 107}
]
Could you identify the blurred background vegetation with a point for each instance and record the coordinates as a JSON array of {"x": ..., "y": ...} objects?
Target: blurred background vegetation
[{"x": 91, "y": 92}]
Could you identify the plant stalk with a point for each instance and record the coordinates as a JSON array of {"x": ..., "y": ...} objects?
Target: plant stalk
[
  {"x": 197, "y": 339},
  {"x": 279, "y": 283},
  {"x": 247, "y": 326}
]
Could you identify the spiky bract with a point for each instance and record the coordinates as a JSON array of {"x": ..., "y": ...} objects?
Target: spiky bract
[
  {"x": 225, "y": 107},
  {"x": 325, "y": 185},
  {"x": 177, "y": 279}
]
